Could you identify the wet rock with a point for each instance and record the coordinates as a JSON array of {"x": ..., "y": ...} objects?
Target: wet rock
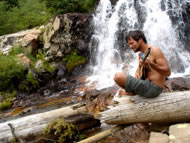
[
  {"x": 44, "y": 77},
  {"x": 97, "y": 100},
  {"x": 81, "y": 45},
  {"x": 177, "y": 84},
  {"x": 47, "y": 92},
  {"x": 61, "y": 71}
]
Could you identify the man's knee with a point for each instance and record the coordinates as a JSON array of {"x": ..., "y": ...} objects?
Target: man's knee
[
  {"x": 117, "y": 77},
  {"x": 120, "y": 78}
]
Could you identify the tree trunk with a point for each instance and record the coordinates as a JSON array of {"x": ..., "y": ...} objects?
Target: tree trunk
[
  {"x": 34, "y": 124},
  {"x": 168, "y": 107}
]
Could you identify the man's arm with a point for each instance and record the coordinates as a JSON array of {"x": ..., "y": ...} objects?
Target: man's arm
[
  {"x": 137, "y": 73},
  {"x": 160, "y": 63}
]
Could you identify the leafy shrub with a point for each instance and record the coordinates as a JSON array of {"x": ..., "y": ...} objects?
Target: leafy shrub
[
  {"x": 7, "y": 102},
  {"x": 31, "y": 79},
  {"x": 46, "y": 64},
  {"x": 11, "y": 71},
  {"x": 16, "y": 50},
  {"x": 70, "y": 6},
  {"x": 73, "y": 60},
  {"x": 24, "y": 14}
]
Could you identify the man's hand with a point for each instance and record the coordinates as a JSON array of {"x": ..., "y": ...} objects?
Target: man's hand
[
  {"x": 145, "y": 63},
  {"x": 137, "y": 75}
]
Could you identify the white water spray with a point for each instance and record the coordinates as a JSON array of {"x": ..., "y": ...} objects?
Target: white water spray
[{"x": 158, "y": 29}]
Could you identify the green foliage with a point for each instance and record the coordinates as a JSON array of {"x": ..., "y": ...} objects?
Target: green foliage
[
  {"x": 61, "y": 130},
  {"x": 46, "y": 64},
  {"x": 16, "y": 15},
  {"x": 73, "y": 60},
  {"x": 49, "y": 67},
  {"x": 16, "y": 50},
  {"x": 7, "y": 102},
  {"x": 70, "y": 6},
  {"x": 88, "y": 5},
  {"x": 31, "y": 79},
  {"x": 11, "y": 4},
  {"x": 28, "y": 14},
  {"x": 11, "y": 71}
]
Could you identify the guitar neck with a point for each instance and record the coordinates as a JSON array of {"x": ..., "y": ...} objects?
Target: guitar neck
[{"x": 142, "y": 69}]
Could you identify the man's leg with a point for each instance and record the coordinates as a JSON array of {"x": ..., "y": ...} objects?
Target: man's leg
[{"x": 120, "y": 79}]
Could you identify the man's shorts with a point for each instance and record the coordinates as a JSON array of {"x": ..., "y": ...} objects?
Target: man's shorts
[{"x": 142, "y": 87}]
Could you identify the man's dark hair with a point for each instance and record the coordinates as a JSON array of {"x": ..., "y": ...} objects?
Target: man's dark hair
[{"x": 136, "y": 35}]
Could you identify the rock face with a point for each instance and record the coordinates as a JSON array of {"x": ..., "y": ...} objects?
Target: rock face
[
  {"x": 22, "y": 38},
  {"x": 60, "y": 47},
  {"x": 64, "y": 35},
  {"x": 67, "y": 33}
]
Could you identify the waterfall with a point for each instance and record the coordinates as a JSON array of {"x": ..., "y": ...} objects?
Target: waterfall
[{"x": 111, "y": 23}]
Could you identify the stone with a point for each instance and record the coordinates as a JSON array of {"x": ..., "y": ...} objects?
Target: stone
[
  {"x": 179, "y": 133},
  {"x": 34, "y": 34},
  {"x": 22, "y": 38},
  {"x": 39, "y": 64},
  {"x": 25, "y": 60},
  {"x": 61, "y": 71},
  {"x": 158, "y": 138},
  {"x": 54, "y": 49},
  {"x": 56, "y": 24}
]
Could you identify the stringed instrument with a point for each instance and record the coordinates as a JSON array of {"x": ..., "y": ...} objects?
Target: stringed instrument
[{"x": 143, "y": 69}]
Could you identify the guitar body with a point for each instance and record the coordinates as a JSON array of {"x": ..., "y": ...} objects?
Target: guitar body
[{"x": 143, "y": 70}]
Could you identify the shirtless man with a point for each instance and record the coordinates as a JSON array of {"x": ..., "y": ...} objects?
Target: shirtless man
[{"x": 156, "y": 72}]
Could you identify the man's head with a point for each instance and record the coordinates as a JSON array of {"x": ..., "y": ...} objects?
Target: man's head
[{"x": 135, "y": 39}]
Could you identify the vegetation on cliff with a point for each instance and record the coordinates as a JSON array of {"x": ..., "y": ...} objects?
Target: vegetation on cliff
[{"x": 16, "y": 15}]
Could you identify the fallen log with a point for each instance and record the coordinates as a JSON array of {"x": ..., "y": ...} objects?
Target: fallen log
[
  {"x": 168, "y": 107},
  {"x": 102, "y": 135},
  {"x": 33, "y": 125}
]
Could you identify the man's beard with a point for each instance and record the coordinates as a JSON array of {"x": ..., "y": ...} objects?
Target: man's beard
[{"x": 137, "y": 50}]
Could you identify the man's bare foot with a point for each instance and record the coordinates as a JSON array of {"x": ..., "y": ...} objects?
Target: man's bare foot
[{"x": 124, "y": 93}]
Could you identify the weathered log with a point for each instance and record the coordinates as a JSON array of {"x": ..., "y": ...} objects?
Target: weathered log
[
  {"x": 168, "y": 107},
  {"x": 34, "y": 124},
  {"x": 102, "y": 135}
]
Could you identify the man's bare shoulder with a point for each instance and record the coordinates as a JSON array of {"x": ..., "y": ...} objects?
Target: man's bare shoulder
[{"x": 155, "y": 51}]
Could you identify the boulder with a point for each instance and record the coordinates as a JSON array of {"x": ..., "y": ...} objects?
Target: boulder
[
  {"x": 22, "y": 38},
  {"x": 25, "y": 60},
  {"x": 158, "y": 138},
  {"x": 67, "y": 33},
  {"x": 177, "y": 84},
  {"x": 180, "y": 133}
]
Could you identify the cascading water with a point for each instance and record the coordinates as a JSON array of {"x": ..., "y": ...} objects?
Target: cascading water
[{"x": 109, "y": 50}]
